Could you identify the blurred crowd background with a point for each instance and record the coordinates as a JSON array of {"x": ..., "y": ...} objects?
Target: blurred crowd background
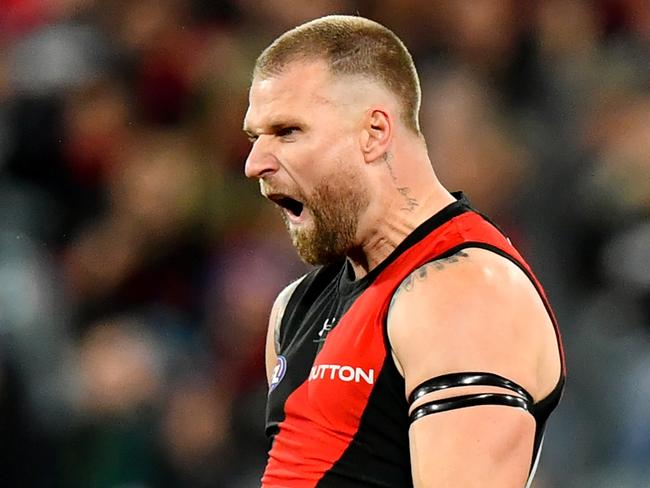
[{"x": 138, "y": 265}]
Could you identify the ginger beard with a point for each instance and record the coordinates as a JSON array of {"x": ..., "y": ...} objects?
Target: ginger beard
[{"x": 335, "y": 206}]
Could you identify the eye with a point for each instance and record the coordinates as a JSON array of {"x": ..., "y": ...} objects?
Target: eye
[{"x": 287, "y": 131}]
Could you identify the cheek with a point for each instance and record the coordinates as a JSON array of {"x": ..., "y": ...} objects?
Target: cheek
[
  {"x": 340, "y": 149},
  {"x": 311, "y": 161}
]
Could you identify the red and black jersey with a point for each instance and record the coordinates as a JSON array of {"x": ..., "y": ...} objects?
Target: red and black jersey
[{"x": 337, "y": 415}]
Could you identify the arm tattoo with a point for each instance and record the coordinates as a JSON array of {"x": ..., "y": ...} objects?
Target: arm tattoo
[
  {"x": 279, "y": 308},
  {"x": 282, "y": 305},
  {"x": 276, "y": 333},
  {"x": 422, "y": 273}
]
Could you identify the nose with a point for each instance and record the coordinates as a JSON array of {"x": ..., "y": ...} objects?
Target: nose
[{"x": 260, "y": 162}]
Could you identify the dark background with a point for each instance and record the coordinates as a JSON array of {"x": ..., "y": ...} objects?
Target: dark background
[{"x": 138, "y": 266}]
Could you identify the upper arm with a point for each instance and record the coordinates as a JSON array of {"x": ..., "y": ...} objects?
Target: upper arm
[
  {"x": 473, "y": 312},
  {"x": 275, "y": 319}
]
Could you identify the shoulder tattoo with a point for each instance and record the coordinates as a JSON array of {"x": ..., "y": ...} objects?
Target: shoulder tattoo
[{"x": 422, "y": 273}]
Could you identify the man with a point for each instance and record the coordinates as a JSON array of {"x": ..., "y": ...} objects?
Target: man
[{"x": 421, "y": 351}]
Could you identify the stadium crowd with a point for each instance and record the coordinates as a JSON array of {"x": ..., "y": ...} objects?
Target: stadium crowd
[{"x": 138, "y": 265}]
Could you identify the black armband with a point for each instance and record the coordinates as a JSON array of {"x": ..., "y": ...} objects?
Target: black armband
[{"x": 522, "y": 399}]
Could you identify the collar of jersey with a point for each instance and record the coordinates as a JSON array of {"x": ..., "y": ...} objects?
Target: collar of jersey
[{"x": 349, "y": 285}]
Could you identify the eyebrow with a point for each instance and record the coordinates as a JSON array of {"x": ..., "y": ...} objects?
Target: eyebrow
[{"x": 277, "y": 126}]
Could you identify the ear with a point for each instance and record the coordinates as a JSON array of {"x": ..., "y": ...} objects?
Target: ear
[{"x": 376, "y": 134}]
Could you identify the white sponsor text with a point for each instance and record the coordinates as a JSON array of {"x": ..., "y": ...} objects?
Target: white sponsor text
[{"x": 342, "y": 373}]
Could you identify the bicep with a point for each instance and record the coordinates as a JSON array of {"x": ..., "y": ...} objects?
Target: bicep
[
  {"x": 483, "y": 446},
  {"x": 471, "y": 429}
]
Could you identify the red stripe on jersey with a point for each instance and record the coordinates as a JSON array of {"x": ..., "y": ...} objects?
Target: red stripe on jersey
[{"x": 323, "y": 414}]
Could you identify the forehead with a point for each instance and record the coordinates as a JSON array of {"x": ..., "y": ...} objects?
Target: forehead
[{"x": 298, "y": 89}]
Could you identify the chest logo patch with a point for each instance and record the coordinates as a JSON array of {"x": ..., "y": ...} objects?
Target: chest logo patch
[
  {"x": 327, "y": 327},
  {"x": 279, "y": 371}
]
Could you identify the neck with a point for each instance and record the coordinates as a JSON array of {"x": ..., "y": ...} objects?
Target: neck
[{"x": 408, "y": 207}]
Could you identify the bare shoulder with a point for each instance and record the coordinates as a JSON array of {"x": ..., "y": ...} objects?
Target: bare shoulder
[
  {"x": 472, "y": 264},
  {"x": 473, "y": 311}
]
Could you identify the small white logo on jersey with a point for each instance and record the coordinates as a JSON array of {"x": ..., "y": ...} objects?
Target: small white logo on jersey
[
  {"x": 342, "y": 373},
  {"x": 278, "y": 372},
  {"x": 327, "y": 326}
]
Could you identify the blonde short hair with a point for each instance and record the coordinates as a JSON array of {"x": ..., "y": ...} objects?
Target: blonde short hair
[{"x": 350, "y": 46}]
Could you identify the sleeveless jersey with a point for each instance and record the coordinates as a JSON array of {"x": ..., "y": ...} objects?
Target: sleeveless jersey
[{"x": 337, "y": 415}]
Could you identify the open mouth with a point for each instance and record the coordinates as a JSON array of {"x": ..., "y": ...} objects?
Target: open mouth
[{"x": 291, "y": 205}]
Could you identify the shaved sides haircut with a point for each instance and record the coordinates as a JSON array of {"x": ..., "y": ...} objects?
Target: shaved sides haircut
[{"x": 352, "y": 46}]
